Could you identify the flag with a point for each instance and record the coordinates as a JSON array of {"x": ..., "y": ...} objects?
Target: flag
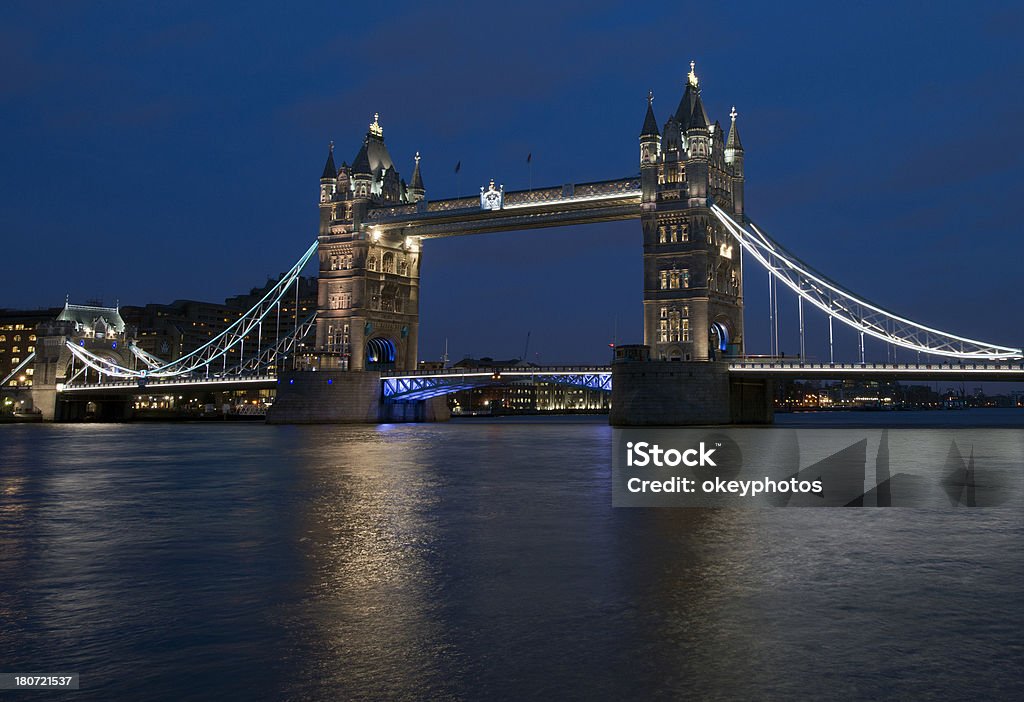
[
  {"x": 529, "y": 157},
  {"x": 458, "y": 166}
]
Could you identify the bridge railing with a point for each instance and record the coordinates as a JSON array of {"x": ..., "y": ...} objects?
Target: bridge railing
[
  {"x": 504, "y": 370},
  {"x": 623, "y": 187},
  {"x": 806, "y": 365},
  {"x": 155, "y": 384}
]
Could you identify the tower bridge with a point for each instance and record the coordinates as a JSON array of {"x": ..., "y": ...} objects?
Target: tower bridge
[{"x": 356, "y": 358}]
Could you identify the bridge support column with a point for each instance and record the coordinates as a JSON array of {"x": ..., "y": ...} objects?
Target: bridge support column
[
  {"x": 345, "y": 397},
  {"x": 434, "y": 409},
  {"x": 326, "y": 397},
  {"x": 676, "y": 393},
  {"x": 44, "y": 399}
]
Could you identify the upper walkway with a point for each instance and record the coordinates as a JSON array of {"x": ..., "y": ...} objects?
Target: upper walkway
[{"x": 583, "y": 203}]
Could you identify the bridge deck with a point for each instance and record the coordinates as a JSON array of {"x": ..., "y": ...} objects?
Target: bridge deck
[
  {"x": 783, "y": 370},
  {"x": 585, "y": 203},
  {"x": 797, "y": 370}
]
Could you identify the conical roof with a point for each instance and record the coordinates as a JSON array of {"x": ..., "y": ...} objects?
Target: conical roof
[
  {"x": 329, "y": 170},
  {"x": 650, "y": 123}
]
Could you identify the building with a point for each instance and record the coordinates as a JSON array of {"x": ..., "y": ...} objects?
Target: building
[
  {"x": 169, "y": 331},
  {"x": 18, "y": 341}
]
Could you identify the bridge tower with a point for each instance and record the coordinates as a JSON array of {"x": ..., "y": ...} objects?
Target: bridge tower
[
  {"x": 99, "y": 330},
  {"x": 368, "y": 300},
  {"x": 693, "y": 276}
]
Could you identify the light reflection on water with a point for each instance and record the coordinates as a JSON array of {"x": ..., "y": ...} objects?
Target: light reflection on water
[{"x": 468, "y": 560}]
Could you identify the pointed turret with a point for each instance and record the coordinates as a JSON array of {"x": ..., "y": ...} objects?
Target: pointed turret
[
  {"x": 330, "y": 172},
  {"x": 328, "y": 186},
  {"x": 650, "y": 128},
  {"x": 733, "y": 142},
  {"x": 650, "y": 153},
  {"x": 734, "y": 158},
  {"x": 416, "y": 189},
  {"x": 698, "y": 117},
  {"x": 361, "y": 164},
  {"x": 686, "y": 104}
]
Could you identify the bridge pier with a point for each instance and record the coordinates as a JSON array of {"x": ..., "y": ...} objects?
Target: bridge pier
[
  {"x": 679, "y": 393},
  {"x": 345, "y": 397}
]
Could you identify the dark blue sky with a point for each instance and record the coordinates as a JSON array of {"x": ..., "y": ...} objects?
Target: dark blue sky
[{"x": 159, "y": 153}]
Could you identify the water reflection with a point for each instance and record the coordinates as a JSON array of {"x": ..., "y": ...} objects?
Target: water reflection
[{"x": 473, "y": 560}]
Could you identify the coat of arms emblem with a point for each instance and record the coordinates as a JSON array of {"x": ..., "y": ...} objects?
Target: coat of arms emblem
[{"x": 492, "y": 198}]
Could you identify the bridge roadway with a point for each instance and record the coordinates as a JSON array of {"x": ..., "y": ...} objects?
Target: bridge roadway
[
  {"x": 584, "y": 203},
  {"x": 430, "y": 383}
]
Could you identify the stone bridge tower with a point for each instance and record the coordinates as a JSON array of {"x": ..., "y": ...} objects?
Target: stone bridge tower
[
  {"x": 368, "y": 298},
  {"x": 693, "y": 276}
]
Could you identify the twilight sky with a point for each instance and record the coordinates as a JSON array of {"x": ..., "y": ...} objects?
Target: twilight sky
[{"x": 151, "y": 154}]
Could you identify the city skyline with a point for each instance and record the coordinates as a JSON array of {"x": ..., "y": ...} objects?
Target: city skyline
[{"x": 898, "y": 149}]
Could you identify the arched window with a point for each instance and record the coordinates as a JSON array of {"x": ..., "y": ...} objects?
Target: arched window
[
  {"x": 371, "y": 263},
  {"x": 389, "y": 263}
]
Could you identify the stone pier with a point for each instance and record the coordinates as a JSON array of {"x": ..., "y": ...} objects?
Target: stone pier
[
  {"x": 345, "y": 397},
  {"x": 675, "y": 393}
]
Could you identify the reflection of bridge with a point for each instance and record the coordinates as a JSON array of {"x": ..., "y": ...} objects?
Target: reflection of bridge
[{"x": 697, "y": 238}]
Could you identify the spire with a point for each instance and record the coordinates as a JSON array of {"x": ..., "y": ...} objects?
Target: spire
[
  {"x": 361, "y": 166},
  {"x": 417, "y": 179},
  {"x": 650, "y": 123},
  {"x": 733, "y": 142},
  {"x": 689, "y": 100},
  {"x": 330, "y": 172},
  {"x": 685, "y": 107},
  {"x": 698, "y": 117}
]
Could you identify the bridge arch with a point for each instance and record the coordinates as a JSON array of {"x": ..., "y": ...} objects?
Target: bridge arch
[
  {"x": 381, "y": 353},
  {"x": 720, "y": 334}
]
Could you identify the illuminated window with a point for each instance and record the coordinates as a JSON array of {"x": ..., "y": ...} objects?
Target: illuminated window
[
  {"x": 684, "y": 232},
  {"x": 678, "y": 278},
  {"x": 664, "y": 280},
  {"x": 3, "y": 337},
  {"x": 388, "y": 263},
  {"x": 661, "y": 235},
  {"x": 674, "y": 324}
]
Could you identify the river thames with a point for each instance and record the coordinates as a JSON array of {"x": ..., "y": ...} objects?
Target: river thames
[{"x": 479, "y": 559}]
